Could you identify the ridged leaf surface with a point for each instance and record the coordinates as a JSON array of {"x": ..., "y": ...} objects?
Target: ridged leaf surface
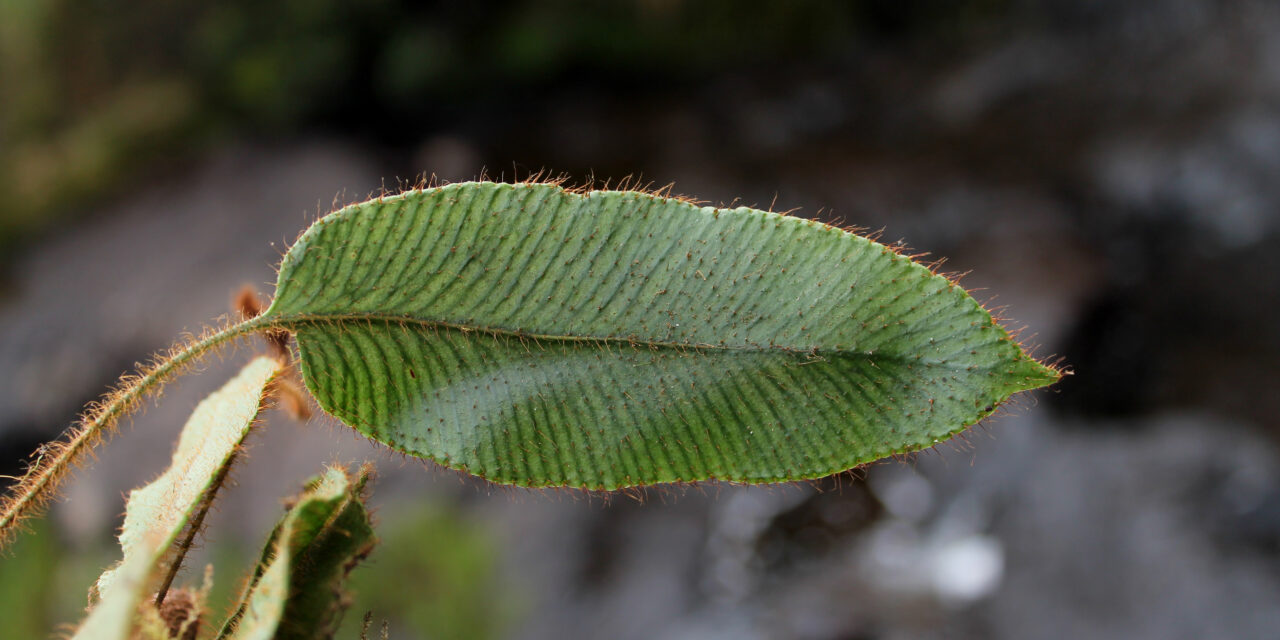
[{"x": 540, "y": 337}]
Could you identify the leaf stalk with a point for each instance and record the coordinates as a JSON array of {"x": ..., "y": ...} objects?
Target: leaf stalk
[{"x": 39, "y": 484}]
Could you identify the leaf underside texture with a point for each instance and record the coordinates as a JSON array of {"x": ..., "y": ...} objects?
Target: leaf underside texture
[{"x": 537, "y": 336}]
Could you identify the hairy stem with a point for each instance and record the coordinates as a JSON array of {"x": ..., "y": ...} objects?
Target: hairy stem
[{"x": 35, "y": 488}]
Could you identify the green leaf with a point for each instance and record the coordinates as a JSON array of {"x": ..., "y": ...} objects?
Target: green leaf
[
  {"x": 158, "y": 512},
  {"x": 541, "y": 337},
  {"x": 296, "y": 588}
]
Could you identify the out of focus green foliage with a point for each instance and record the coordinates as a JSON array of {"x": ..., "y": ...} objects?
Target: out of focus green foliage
[
  {"x": 432, "y": 575},
  {"x": 43, "y": 583},
  {"x": 27, "y": 584},
  {"x": 95, "y": 94}
]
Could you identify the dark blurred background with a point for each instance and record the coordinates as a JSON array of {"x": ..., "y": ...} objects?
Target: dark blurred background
[{"x": 1108, "y": 171}]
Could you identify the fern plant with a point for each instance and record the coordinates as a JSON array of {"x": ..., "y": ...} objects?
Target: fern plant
[{"x": 538, "y": 336}]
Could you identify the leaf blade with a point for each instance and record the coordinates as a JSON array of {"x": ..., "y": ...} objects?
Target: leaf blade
[{"x": 456, "y": 277}]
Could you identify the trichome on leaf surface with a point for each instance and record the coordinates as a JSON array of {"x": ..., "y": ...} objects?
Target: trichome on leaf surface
[{"x": 538, "y": 336}]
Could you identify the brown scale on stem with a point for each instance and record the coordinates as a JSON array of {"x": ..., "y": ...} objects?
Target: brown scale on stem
[
  {"x": 180, "y": 612},
  {"x": 285, "y": 388},
  {"x": 249, "y": 306}
]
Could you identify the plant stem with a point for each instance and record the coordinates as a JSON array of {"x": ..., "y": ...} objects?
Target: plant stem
[{"x": 35, "y": 488}]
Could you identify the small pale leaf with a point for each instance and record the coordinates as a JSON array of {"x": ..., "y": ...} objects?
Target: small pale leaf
[{"x": 158, "y": 512}]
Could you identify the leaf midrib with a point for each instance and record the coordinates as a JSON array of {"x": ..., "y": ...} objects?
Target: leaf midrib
[{"x": 292, "y": 321}]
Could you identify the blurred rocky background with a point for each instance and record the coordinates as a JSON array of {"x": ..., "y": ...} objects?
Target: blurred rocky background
[{"x": 1109, "y": 168}]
